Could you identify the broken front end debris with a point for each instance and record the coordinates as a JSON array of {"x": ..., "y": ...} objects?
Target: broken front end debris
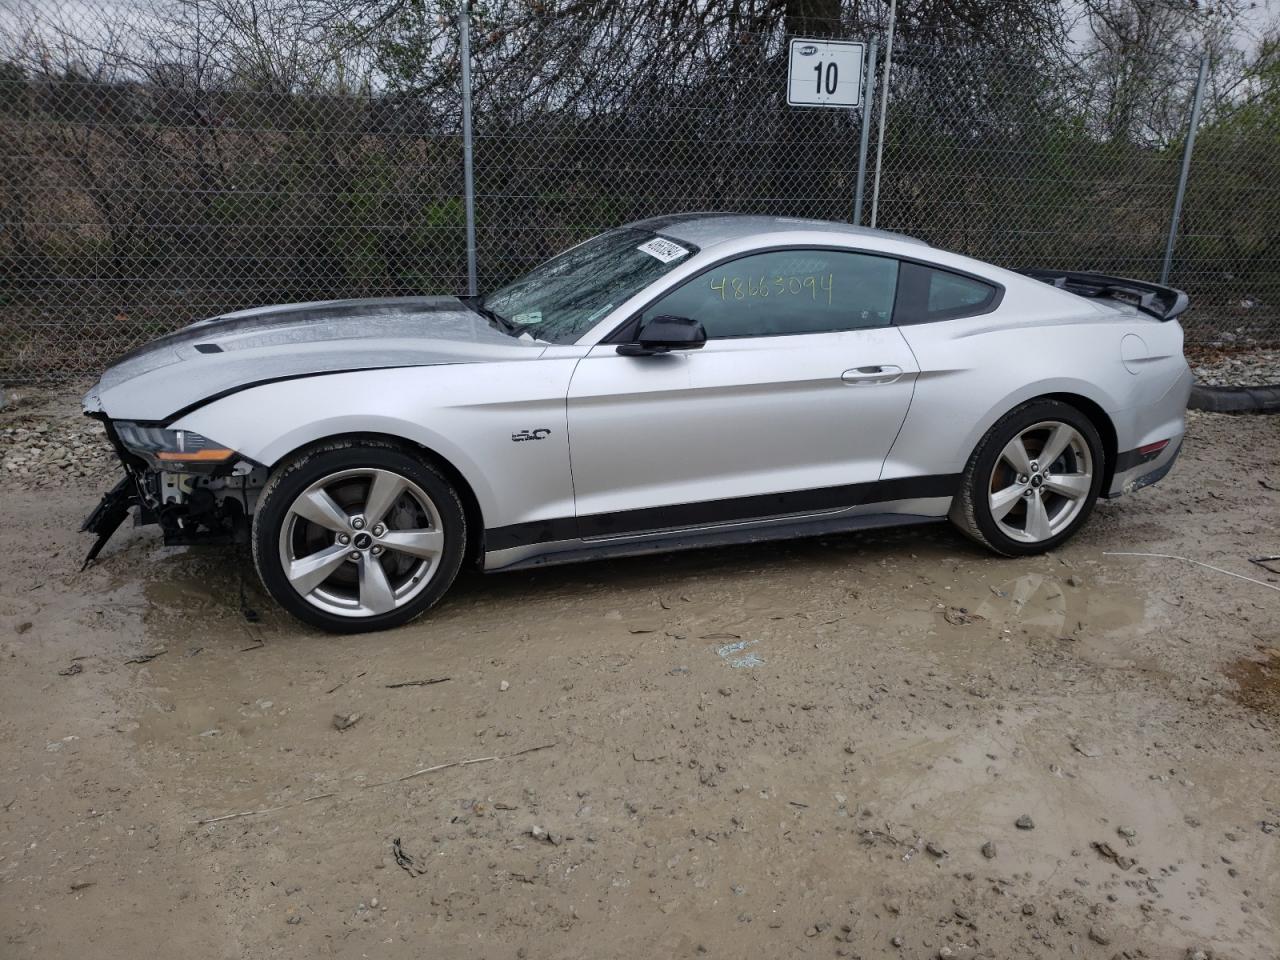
[{"x": 197, "y": 491}]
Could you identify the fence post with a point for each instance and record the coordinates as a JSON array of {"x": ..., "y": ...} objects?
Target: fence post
[
  {"x": 468, "y": 178},
  {"x": 1186, "y": 168},
  {"x": 868, "y": 93},
  {"x": 884, "y": 109}
]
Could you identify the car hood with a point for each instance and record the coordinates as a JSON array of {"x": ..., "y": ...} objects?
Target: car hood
[{"x": 214, "y": 357}]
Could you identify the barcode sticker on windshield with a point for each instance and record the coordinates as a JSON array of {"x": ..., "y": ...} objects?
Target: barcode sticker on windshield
[{"x": 664, "y": 250}]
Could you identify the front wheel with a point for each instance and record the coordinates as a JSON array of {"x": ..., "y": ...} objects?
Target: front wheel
[
  {"x": 353, "y": 537},
  {"x": 1032, "y": 481}
]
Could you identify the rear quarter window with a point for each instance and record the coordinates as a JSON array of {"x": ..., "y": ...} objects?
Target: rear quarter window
[{"x": 927, "y": 294}]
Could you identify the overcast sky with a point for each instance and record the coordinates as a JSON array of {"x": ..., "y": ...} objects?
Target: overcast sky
[{"x": 1253, "y": 22}]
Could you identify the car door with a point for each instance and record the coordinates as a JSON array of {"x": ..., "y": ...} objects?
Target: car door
[{"x": 789, "y": 408}]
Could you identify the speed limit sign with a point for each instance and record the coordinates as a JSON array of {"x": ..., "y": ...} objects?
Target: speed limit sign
[{"x": 825, "y": 73}]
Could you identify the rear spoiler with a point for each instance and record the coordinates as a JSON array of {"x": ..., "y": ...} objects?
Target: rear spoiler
[{"x": 1163, "y": 303}]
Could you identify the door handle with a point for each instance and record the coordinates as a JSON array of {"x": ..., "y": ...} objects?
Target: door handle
[{"x": 875, "y": 373}]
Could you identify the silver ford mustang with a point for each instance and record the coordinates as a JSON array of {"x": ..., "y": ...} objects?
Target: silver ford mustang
[{"x": 678, "y": 382}]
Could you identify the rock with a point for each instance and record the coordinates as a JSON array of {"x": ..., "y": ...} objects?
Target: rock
[
  {"x": 294, "y": 920},
  {"x": 70, "y": 671},
  {"x": 1073, "y": 581},
  {"x": 1108, "y": 852},
  {"x": 1086, "y": 749},
  {"x": 1195, "y": 953},
  {"x": 1127, "y": 832},
  {"x": 504, "y": 686},
  {"x": 960, "y": 616},
  {"x": 989, "y": 850},
  {"x": 896, "y": 941},
  {"x": 23, "y": 627},
  {"x": 345, "y": 721},
  {"x": 545, "y": 835},
  {"x": 1099, "y": 934},
  {"x": 934, "y": 850},
  {"x": 1025, "y": 822}
]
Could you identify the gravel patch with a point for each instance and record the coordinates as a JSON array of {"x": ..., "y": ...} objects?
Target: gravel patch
[
  {"x": 1220, "y": 368},
  {"x": 44, "y": 442}
]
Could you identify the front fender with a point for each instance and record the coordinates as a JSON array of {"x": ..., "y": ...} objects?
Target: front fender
[
  {"x": 465, "y": 414},
  {"x": 241, "y": 426}
]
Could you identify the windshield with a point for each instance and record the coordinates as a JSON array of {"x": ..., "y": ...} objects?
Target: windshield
[{"x": 565, "y": 297}]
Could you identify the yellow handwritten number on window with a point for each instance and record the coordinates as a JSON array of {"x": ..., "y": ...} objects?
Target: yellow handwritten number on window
[{"x": 796, "y": 286}]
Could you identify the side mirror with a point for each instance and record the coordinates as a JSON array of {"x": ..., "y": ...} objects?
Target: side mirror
[{"x": 664, "y": 334}]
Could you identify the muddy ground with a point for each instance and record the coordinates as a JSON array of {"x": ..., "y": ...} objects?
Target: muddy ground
[{"x": 821, "y": 748}]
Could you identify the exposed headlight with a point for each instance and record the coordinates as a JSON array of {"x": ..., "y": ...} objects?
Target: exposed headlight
[{"x": 177, "y": 450}]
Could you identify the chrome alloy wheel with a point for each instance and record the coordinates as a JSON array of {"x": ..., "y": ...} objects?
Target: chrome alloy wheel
[
  {"x": 1040, "y": 482},
  {"x": 361, "y": 542}
]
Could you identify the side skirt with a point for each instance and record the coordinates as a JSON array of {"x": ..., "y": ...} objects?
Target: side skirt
[{"x": 670, "y": 541}]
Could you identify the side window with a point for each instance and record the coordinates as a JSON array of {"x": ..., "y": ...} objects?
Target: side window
[
  {"x": 787, "y": 292},
  {"x": 930, "y": 293},
  {"x": 950, "y": 292}
]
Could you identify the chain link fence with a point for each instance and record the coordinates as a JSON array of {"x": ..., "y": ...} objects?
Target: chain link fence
[
  {"x": 136, "y": 197},
  {"x": 132, "y": 208},
  {"x": 1001, "y": 159}
]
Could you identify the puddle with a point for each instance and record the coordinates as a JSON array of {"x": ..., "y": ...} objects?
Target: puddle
[{"x": 1033, "y": 601}]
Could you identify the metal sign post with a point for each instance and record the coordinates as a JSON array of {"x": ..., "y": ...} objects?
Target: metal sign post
[
  {"x": 468, "y": 177},
  {"x": 1186, "y": 169},
  {"x": 884, "y": 107},
  {"x": 868, "y": 98}
]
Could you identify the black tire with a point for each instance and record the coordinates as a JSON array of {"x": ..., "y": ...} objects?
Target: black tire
[
  {"x": 292, "y": 478},
  {"x": 971, "y": 509}
]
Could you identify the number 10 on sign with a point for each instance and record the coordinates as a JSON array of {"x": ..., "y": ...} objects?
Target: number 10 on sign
[{"x": 824, "y": 73}]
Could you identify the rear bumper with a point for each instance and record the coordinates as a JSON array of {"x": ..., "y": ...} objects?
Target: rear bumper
[{"x": 1133, "y": 472}]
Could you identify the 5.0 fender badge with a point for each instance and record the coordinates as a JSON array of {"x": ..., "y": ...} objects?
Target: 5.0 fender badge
[{"x": 541, "y": 433}]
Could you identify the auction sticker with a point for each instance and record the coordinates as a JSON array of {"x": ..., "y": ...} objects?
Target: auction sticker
[{"x": 664, "y": 250}]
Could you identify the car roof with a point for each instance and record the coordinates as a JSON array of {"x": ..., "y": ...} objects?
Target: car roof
[{"x": 705, "y": 229}]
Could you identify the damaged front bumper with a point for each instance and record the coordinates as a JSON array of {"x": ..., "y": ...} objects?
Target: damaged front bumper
[
  {"x": 107, "y": 516},
  {"x": 193, "y": 500}
]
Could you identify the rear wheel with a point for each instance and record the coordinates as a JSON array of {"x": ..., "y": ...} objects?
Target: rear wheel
[
  {"x": 354, "y": 537},
  {"x": 1032, "y": 481}
]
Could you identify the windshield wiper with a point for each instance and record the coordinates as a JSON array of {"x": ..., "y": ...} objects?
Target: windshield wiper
[{"x": 495, "y": 318}]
